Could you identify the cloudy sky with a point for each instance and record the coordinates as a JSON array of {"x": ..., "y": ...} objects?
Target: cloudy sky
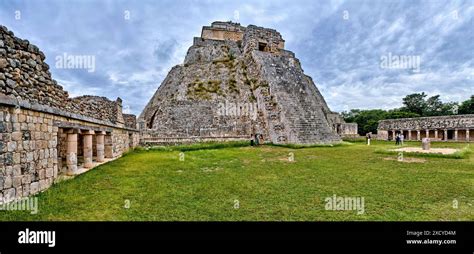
[{"x": 350, "y": 48}]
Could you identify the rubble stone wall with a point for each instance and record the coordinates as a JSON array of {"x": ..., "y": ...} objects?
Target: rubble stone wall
[
  {"x": 130, "y": 121},
  {"x": 25, "y": 76},
  {"x": 97, "y": 107}
]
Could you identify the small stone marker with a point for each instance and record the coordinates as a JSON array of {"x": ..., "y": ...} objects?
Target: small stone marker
[{"x": 425, "y": 144}]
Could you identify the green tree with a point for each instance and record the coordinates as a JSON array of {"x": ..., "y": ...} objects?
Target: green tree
[
  {"x": 367, "y": 120},
  {"x": 415, "y": 103},
  {"x": 433, "y": 106},
  {"x": 467, "y": 107},
  {"x": 397, "y": 113},
  {"x": 449, "y": 108}
]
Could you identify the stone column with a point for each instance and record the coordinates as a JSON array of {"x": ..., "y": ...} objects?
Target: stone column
[
  {"x": 100, "y": 145},
  {"x": 71, "y": 153},
  {"x": 467, "y": 135},
  {"x": 436, "y": 134},
  {"x": 108, "y": 151},
  {"x": 87, "y": 145},
  {"x": 418, "y": 136},
  {"x": 427, "y": 135},
  {"x": 456, "y": 134},
  {"x": 409, "y": 134},
  {"x": 445, "y": 135}
]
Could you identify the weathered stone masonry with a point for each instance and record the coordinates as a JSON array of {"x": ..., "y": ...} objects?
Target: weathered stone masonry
[
  {"x": 441, "y": 128},
  {"x": 44, "y": 134}
]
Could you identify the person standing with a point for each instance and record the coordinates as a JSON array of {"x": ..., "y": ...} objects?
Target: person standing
[
  {"x": 402, "y": 138},
  {"x": 397, "y": 139},
  {"x": 368, "y": 136}
]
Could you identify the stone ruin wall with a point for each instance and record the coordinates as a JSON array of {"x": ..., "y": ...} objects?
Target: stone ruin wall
[
  {"x": 455, "y": 127},
  {"x": 97, "y": 107},
  {"x": 255, "y": 37},
  {"x": 348, "y": 130},
  {"x": 223, "y": 31},
  {"x": 130, "y": 121},
  {"x": 36, "y": 117}
]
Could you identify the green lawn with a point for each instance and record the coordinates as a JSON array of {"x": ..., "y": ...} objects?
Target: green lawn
[{"x": 248, "y": 183}]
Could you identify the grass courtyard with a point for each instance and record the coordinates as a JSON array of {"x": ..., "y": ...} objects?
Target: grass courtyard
[{"x": 266, "y": 183}]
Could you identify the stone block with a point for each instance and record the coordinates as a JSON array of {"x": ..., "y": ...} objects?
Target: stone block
[
  {"x": 7, "y": 182},
  {"x": 11, "y": 83},
  {"x": 29, "y": 156},
  {"x": 42, "y": 174},
  {"x": 11, "y": 146},
  {"x": 17, "y": 127},
  {"x": 49, "y": 172},
  {"x": 16, "y": 181},
  {"x": 8, "y": 159},
  {"x": 16, "y": 158},
  {"x": 3, "y": 63},
  {"x": 426, "y": 144},
  {"x": 34, "y": 188},
  {"x": 17, "y": 170},
  {"x": 26, "y": 179},
  {"x": 43, "y": 185},
  {"x": 9, "y": 194},
  {"x": 19, "y": 192},
  {"x": 9, "y": 170},
  {"x": 21, "y": 118},
  {"x": 26, "y": 190}
]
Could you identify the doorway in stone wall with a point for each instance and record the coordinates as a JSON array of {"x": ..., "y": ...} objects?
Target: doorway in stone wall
[
  {"x": 450, "y": 134},
  {"x": 405, "y": 135}
]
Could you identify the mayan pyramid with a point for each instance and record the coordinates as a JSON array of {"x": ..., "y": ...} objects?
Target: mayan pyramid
[{"x": 235, "y": 82}]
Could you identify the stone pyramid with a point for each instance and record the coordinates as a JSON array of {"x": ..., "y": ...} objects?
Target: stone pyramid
[{"x": 236, "y": 82}]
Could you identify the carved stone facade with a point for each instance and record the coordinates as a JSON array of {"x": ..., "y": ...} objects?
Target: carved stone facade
[
  {"x": 442, "y": 128},
  {"x": 44, "y": 134},
  {"x": 236, "y": 84}
]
